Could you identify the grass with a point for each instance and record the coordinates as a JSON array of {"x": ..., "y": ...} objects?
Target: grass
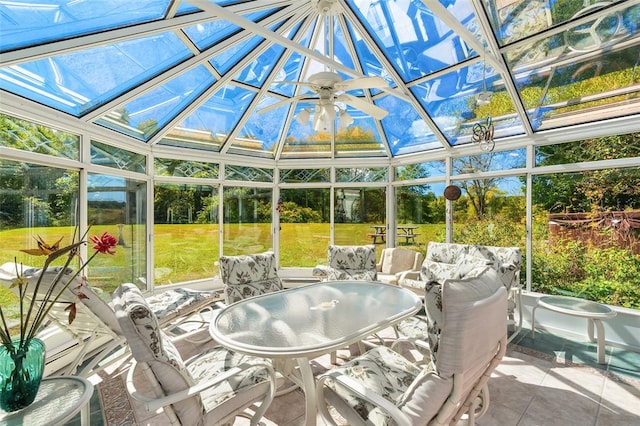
[{"x": 184, "y": 252}]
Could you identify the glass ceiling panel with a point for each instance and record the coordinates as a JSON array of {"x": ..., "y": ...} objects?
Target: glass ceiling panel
[
  {"x": 27, "y": 23},
  {"x": 206, "y": 34},
  {"x": 570, "y": 77},
  {"x": 368, "y": 61},
  {"x": 261, "y": 133},
  {"x": 406, "y": 131},
  {"x": 210, "y": 125},
  {"x": 146, "y": 114},
  {"x": 292, "y": 68},
  {"x": 230, "y": 57},
  {"x": 517, "y": 19},
  {"x": 360, "y": 139},
  {"x": 257, "y": 71},
  {"x": 453, "y": 104},
  {"x": 414, "y": 40},
  {"x": 78, "y": 82},
  {"x": 302, "y": 141}
]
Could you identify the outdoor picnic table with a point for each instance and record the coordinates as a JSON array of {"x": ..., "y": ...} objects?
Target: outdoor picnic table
[
  {"x": 380, "y": 232},
  {"x": 408, "y": 232}
]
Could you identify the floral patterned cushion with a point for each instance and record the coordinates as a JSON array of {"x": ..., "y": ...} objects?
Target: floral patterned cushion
[
  {"x": 217, "y": 360},
  {"x": 249, "y": 275},
  {"x": 148, "y": 343},
  {"x": 170, "y": 304},
  {"x": 352, "y": 263},
  {"x": 433, "y": 305},
  {"x": 380, "y": 370}
]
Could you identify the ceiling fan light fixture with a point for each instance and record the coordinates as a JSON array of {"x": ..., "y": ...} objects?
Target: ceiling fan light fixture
[
  {"x": 303, "y": 117},
  {"x": 345, "y": 119}
]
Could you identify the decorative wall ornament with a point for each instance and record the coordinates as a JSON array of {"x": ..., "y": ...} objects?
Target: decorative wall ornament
[{"x": 483, "y": 134}]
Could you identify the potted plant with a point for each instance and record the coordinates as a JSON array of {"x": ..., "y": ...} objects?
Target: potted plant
[{"x": 22, "y": 354}]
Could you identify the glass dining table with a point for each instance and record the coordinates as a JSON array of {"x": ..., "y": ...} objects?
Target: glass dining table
[{"x": 293, "y": 326}]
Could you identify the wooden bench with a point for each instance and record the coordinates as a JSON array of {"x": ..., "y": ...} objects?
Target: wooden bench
[{"x": 375, "y": 237}]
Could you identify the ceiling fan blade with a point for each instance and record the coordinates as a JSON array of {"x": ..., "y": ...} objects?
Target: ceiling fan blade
[
  {"x": 364, "y": 106},
  {"x": 363, "y": 83},
  {"x": 284, "y": 102}
]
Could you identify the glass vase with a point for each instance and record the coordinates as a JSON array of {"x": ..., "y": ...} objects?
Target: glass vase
[{"x": 21, "y": 368}]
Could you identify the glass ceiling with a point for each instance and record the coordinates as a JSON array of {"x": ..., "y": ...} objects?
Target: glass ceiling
[{"x": 241, "y": 77}]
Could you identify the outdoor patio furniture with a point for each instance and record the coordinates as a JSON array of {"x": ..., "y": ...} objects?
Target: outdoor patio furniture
[
  {"x": 349, "y": 263},
  {"x": 83, "y": 346},
  {"x": 249, "y": 275},
  {"x": 212, "y": 387},
  {"x": 382, "y": 387},
  {"x": 449, "y": 260},
  {"x": 394, "y": 261},
  {"x": 297, "y": 325}
]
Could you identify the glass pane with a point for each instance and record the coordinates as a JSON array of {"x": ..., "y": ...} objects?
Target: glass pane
[
  {"x": 608, "y": 148},
  {"x": 25, "y": 23},
  {"x": 305, "y": 175},
  {"x": 492, "y": 161},
  {"x": 420, "y": 211},
  {"x": 36, "y": 202},
  {"x": 109, "y": 156},
  {"x": 209, "y": 126},
  {"x": 185, "y": 233},
  {"x": 27, "y": 136},
  {"x": 405, "y": 130},
  {"x": 250, "y": 174},
  {"x": 247, "y": 220},
  {"x": 146, "y": 114},
  {"x": 356, "y": 211},
  {"x": 586, "y": 73},
  {"x": 80, "y": 81},
  {"x": 184, "y": 168},
  {"x": 413, "y": 38},
  {"x": 586, "y": 239},
  {"x": 118, "y": 205},
  {"x": 421, "y": 170},
  {"x": 459, "y": 99},
  {"x": 304, "y": 227},
  {"x": 490, "y": 212},
  {"x": 374, "y": 174}
]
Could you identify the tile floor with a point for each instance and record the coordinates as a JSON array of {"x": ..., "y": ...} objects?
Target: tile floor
[{"x": 552, "y": 380}]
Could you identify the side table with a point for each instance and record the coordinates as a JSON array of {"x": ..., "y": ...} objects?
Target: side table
[
  {"x": 57, "y": 401},
  {"x": 594, "y": 312}
]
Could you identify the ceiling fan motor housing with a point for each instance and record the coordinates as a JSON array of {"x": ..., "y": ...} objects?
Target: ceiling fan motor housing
[{"x": 326, "y": 7}]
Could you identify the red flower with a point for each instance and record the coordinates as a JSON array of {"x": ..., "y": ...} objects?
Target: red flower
[{"x": 105, "y": 244}]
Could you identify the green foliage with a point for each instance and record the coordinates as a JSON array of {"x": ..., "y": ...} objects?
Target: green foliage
[
  {"x": 490, "y": 233},
  {"x": 290, "y": 212},
  {"x": 573, "y": 268}
]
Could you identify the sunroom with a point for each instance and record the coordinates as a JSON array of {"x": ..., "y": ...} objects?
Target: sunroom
[{"x": 195, "y": 129}]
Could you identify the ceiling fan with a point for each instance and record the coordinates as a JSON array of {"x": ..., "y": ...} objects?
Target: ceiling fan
[{"x": 329, "y": 89}]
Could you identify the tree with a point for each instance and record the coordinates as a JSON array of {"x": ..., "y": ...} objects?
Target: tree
[{"x": 598, "y": 190}]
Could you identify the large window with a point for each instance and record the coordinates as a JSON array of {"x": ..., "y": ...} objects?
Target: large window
[
  {"x": 247, "y": 220},
  {"x": 185, "y": 232},
  {"x": 305, "y": 229},
  {"x": 118, "y": 205},
  {"x": 422, "y": 207}
]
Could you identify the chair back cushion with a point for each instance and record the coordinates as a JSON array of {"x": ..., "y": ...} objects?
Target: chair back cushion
[
  {"x": 473, "y": 326},
  {"x": 249, "y": 275},
  {"x": 150, "y": 345},
  {"x": 352, "y": 263},
  {"x": 395, "y": 260},
  {"x": 473, "y": 322},
  {"x": 433, "y": 302},
  {"x": 442, "y": 257}
]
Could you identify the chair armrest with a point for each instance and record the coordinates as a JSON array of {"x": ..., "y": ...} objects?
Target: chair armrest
[
  {"x": 320, "y": 271},
  {"x": 364, "y": 393},
  {"x": 153, "y": 404}
]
